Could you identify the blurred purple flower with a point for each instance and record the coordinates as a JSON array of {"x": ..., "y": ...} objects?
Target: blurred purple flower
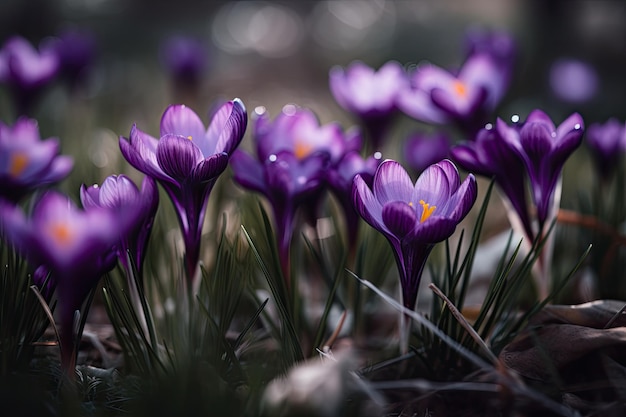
[
  {"x": 535, "y": 148},
  {"x": 76, "y": 51},
  {"x": 421, "y": 150},
  {"x": 573, "y": 81},
  {"x": 185, "y": 59},
  {"x": 292, "y": 155},
  {"x": 414, "y": 217},
  {"x": 499, "y": 45},
  {"x": 75, "y": 246},
  {"x": 26, "y": 70},
  {"x": 340, "y": 177},
  {"x": 370, "y": 95},
  {"x": 187, "y": 161},
  {"x": 607, "y": 143},
  {"x": 545, "y": 148},
  {"x": 26, "y": 161},
  {"x": 121, "y": 195},
  {"x": 466, "y": 98}
]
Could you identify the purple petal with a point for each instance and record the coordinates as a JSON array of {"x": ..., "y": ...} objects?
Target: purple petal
[
  {"x": 433, "y": 230},
  {"x": 366, "y": 204},
  {"x": 538, "y": 116},
  {"x": 399, "y": 217},
  {"x": 180, "y": 120},
  {"x": 392, "y": 183},
  {"x": 177, "y": 156},
  {"x": 463, "y": 200},
  {"x": 248, "y": 172},
  {"x": 210, "y": 168},
  {"x": 432, "y": 187},
  {"x": 228, "y": 126}
]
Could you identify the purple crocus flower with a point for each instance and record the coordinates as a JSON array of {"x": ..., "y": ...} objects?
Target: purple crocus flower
[
  {"x": 414, "y": 217},
  {"x": 185, "y": 59},
  {"x": 292, "y": 155},
  {"x": 465, "y": 98},
  {"x": 573, "y": 80},
  {"x": 26, "y": 161},
  {"x": 76, "y": 50},
  {"x": 120, "y": 194},
  {"x": 544, "y": 149},
  {"x": 25, "y": 70},
  {"x": 187, "y": 161},
  {"x": 492, "y": 155},
  {"x": 607, "y": 143},
  {"x": 370, "y": 95},
  {"x": 340, "y": 177},
  {"x": 75, "y": 246},
  {"x": 421, "y": 150}
]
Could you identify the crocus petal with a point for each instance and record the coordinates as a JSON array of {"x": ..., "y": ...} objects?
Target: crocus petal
[
  {"x": 248, "y": 172},
  {"x": 538, "y": 116},
  {"x": 392, "y": 183},
  {"x": 177, "y": 156},
  {"x": 463, "y": 200},
  {"x": 229, "y": 124},
  {"x": 434, "y": 230},
  {"x": 400, "y": 218},
  {"x": 209, "y": 168},
  {"x": 58, "y": 169},
  {"x": 366, "y": 204},
  {"x": 180, "y": 120},
  {"x": 432, "y": 187}
]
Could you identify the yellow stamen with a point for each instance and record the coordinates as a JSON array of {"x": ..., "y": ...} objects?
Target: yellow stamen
[
  {"x": 427, "y": 210},
  {"x": 17, "y": 164},
  {"x": 190, "y": 137},
  {"x": 302, "y": 150},
  {"x": 459, "y": 88},
  {"x": 61, "y": 233},
  {"x": 410, "y": 204}
]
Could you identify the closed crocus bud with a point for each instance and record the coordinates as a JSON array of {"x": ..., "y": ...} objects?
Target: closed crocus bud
[
  {"x": 27, "y": 162},
  {"x": 185, "y": 59}
]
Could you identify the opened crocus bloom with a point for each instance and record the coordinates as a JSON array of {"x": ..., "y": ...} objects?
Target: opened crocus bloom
[
  {"x": 370, "y": 95},
  {"x": 293, "y": 153},
  {"x": 26, "y": 161},
  {"x": 74, "y": 246},
  {"x": 120, "y": 194},
  {"x": 186, "y": 161},
  {"x": 414, "y": 217}
]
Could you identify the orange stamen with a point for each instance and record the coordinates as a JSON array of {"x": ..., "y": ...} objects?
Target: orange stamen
[
  {"x": 459, "y": 88},
  {"x": 18, "y": 163},
  {"x": 302, "y": 150},
  {"x": 427, "y": 211},
  {"x": 62, "y": 233}
]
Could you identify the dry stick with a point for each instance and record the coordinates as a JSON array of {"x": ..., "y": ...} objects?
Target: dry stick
[
  {"x": 333, "y": 337},
  {"x": 463, "y": 322},
  {"x": 46, "y": 310},
  {"x": 589, "y": 222}
]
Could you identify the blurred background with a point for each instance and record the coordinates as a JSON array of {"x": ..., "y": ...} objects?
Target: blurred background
[{"x": 572, "y": 56}]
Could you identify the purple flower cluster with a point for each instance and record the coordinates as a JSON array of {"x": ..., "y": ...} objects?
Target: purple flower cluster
[
  {"x": 533, "y": 153},
  {"x": 295, "y": 158}
]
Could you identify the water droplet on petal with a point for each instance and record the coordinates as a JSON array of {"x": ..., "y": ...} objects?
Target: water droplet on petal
[
  {"x": 515, "y": 118},
  {"x": 488, "y": 126},
  {"x": 301, "y": 180},
  {"x": 378, "y": 155},
  {"x": 260, "y": 110},
  {"x": 553, "y": 134},
  {"x": 289, "y": 109},
  {"x": 272, "y": 158},
  {"x": 577, "y": 126}
]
